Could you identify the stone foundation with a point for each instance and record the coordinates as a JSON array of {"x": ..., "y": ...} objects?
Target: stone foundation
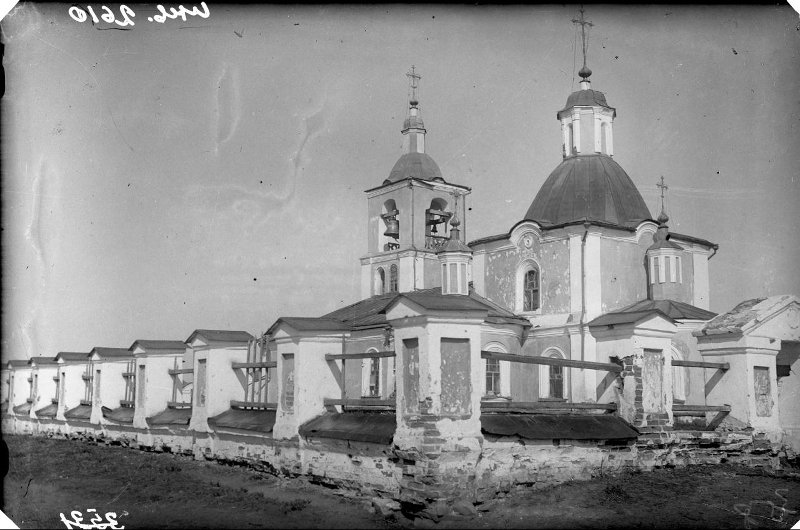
[{"x": 442, "y": 477}]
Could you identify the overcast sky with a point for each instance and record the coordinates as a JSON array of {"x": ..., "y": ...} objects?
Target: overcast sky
[{"x": 210, "y": 173}]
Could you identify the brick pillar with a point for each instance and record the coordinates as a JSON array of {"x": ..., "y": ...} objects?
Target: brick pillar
[{"x": 647, "y": 416}]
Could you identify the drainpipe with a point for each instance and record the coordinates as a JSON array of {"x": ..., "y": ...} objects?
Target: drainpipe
[{"x": 414, "y": 261}]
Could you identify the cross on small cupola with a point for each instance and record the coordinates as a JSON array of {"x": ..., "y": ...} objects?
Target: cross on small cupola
[
  {"x": 584, "y": 72},
  {"x": 662, "y": 217}
]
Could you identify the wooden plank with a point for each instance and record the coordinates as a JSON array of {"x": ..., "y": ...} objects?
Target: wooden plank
[
  {"x": 365, "y": 355},
  {"x": 178, "y": 371},
  {"x": 551, "y": 361},
  {"x": 366, "y": 403},
  {"x": 700, "y": 408},
  {"x": 263, "y": 364},
  {"x": 253, "y": 405},
  {"x": 545, "y": 405},
  {"x": 713, "y": 424},
  {"x": 701, "y": 364}
]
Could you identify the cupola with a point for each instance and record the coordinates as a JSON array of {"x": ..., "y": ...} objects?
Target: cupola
[
  {"x": 455, "y": 259},
  {"x": 664, "y": 261}
]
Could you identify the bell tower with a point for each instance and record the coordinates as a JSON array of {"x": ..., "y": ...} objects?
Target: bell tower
[
  {"x": 409, "y": 214},
  {"x": 586, "y": 120}
]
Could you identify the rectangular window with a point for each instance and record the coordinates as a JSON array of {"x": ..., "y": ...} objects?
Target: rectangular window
[
  {"x": 201, "y": 382},
  {"x": 453, "y": 283},
  {"x": 492, "y": 377},
  {"x": 464, "y": 278},
  {"x": 680, "y": 269},
  {"x": 88, "y": 384},
  {"x": 662, "y": 269}
]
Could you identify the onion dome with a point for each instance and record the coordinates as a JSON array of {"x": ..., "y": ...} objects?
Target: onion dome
[
  {"x": 454, "y": 243},
  {"x": 661, "y": 237},
  {"x": 588, "y": 188},
  {"x": 415, "y": 165}
]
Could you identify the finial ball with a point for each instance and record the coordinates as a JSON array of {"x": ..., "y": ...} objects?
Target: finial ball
[{"x": 585, "y": 72}]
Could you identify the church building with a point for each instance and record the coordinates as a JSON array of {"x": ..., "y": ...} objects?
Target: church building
[{"x": 579, "y": 340}]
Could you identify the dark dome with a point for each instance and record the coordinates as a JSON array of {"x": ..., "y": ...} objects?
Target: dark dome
[
  {"x": 417, "y": 165},
  {"x": 591, "y": 187},
  {"x": 587, "y": 98}
]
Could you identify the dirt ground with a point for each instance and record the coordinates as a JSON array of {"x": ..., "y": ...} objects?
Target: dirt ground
[{"x": 48, "y": 477}]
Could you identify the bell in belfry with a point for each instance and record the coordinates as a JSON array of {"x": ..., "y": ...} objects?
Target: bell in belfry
[{"x": 392, "y": 228}]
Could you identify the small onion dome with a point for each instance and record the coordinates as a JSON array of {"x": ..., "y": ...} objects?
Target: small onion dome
[
  {"x": 661, "y": 237},
  {"x": 585, "y": 72},
  {"x": 454, "y": 244},
  {"x": 413, "y": 102},
  {"x": 416, "y": 165},
  {"x": 588, "y": 187}
]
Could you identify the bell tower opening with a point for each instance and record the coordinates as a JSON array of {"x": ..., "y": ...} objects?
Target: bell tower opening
[
  {"x": 436, "y": 219},
  {"x": 390, "y": 236}
]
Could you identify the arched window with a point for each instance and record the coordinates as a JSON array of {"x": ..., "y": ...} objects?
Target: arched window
[
  {"x": 393, "y": 279},
  {"x": 497, "y": 380},
  {"x": 389, "y": 230},
  {"x": 552, "y": 379},
  {"x": 678, "y": 378},
  {"x": 380, "y": 281},
  {"x": 371, "y": 375},
  {"x": 571, "y": 150},
  {"x": 530, "y": 290}
]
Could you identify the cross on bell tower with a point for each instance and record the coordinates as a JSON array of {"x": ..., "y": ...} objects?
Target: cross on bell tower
[{"x": 584, "y": 72}]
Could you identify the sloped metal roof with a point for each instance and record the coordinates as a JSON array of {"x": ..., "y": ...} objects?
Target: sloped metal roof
[
  {"x": 355, "y": 426},
  {"x": 171, "y": 416},
  {"x": 591, "y": 188},
  {"x": 119, "y": 415},
  {"x": 627, "y": 317},
  {"x": 81, "y": 412},
  {"x": 23, "y": 409},
  {"x": 219, "y": 335},
  {"x": 71, "y": 356},
  {"x": 249, "y": 420},
  {"x": 47, "y": 412},
  {"x": 746, "y": 315},
  {"x": 372, "y": 311},
  {"x": 159, "y": 345},
  {"x": 18, "y": 363},
  {"x": 43, "y": 360},
  {"x": 108, "y": 353},
  {"x": 587, "y": 98},
  {"x": 671, "y": 308},
  {"x": 414, "y": 165},
  {"x": 559, "y": 426}
]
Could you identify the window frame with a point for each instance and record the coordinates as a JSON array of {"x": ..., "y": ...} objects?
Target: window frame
[
  {"x": 523, "y": 270},
  {"x": 546, "y": 376}
]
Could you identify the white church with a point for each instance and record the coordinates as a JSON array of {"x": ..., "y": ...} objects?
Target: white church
[{"x": 580, "y": 339}]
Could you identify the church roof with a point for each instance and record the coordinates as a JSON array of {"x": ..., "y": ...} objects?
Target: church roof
[
  {"x": 220, "y": 335},
  {"x": 159, "y": 344},
  {"x": 587, "y": 98},
  {"x": 591, "y": 188},
  {"x": 72, "y": 355},
  {"x": 371, "y": 312},
  {"x": 671, "y": 309},
  {"x": 747, "y": 315},
  {"x": 43, "y": 360},
  {"x": 416, "y": 165},
  {"x": 104, "y": 352}
]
